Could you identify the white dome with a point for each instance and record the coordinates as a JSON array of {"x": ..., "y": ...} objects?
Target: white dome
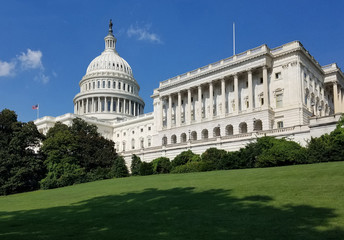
[{"x": 109, "y": 60}]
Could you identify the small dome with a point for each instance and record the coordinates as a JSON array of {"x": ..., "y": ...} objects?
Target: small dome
[{"x": 109, "y": 61}]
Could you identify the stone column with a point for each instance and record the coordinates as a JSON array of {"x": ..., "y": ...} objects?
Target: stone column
[
  {"x": 211, "y": 101},
  {"x": 266, "y": 87},
  {"x": 223, "y": 97},
  {"x": 99, "y": 105},
  {"x": 178, "y": 110},
  {"x": 117, "y": 109},
  {"x": 134, "y": 109},
  {"x": 335, "y": 97},
  {"x": 130, "y": 107},
  {"x": 161, "y": 112},
  {"x": 339, "y": 99},
  {"x": 199, "y": 103},
  {"x": 87, "y": 106},
  {"x": 124, "y": 106},
  {"x": 188, "y": 119},
  {"x": 111, "y": 105},
  {"x": 169, "y": 112},
  {"x": 236, "y": 94},
  {"x": 250, "y": 89}
]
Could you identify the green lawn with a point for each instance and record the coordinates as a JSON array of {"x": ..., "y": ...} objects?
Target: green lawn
[{"x": 296, "y": 202}]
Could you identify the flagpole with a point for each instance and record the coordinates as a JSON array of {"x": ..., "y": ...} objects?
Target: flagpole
[{"x": 233, "y": 38}]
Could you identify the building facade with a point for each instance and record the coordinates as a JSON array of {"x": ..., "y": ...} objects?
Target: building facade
[{"x": 282, "y": 92}]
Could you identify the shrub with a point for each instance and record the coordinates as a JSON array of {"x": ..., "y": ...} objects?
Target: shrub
[
  {"x": 194, "y": 166},
  {"x": 135, "y": 165},
  {"x": 183, "y": 158},
  {"x": 120, "y": 168},
  {"x": 161, "y": 165},
  {"x": 281, "y": 153},
  {"x": 146, "y": 168},
  {"x": 216, "y": 158}
]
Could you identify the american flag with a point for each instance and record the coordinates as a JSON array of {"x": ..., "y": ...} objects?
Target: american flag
[{"x": 35, "y": 107}]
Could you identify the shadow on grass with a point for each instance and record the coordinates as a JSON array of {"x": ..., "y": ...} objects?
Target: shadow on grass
[{"x": 179, "y": 213}]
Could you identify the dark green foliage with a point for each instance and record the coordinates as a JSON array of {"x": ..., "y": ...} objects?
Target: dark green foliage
[
  {"x": 135, "y": 165},
  {"x": 216, "y": 159},
  {"x": 193, "y": 166},
  {"x": 183, "y": 158},
  {"x": 146, "y": 168},
  {"x": 120, "y": 168},
  {"x": 78, "y": 154},
  {"x": 161, "y": 165},
  {"x": 281, "y": 153},
  {"x": 21, "y": 168}
]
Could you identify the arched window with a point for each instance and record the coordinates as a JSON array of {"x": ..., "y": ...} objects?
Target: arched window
[
  {"x": 257, "y": 125},
  {"x": 164, "y": 141},
  {"x": 142, "y": 143},
  {"x": 149, "y": 141},
  {"x": 123, "y": 145},
  {"x": 216, "y": 132},
  {"x": 133, "y": 143},
  {"x": 194, "y": 135},
  {"x": 204, "y": 134},
  {"x": 243, "y": 127},
  {"x": 173, "y": 139},
  {"x": 229, "y": 130},
  {"x": 183, "y": 137}
]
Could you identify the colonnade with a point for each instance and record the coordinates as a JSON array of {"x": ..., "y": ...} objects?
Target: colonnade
[
  {"x": 338, "y": 97},
  {"x": 226, "y": 106},
  {"x": 108, "y": 105}
]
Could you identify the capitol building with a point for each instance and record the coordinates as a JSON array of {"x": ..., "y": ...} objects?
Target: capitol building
[{"x": 281, "y": 92}]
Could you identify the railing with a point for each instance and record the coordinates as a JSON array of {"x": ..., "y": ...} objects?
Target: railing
[{"x": 213, "y": 65}]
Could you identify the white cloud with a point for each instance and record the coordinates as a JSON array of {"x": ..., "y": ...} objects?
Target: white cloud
[
  {"x": 142, "y": 33},
  {"x": 6, "y": 68},
  {"x": 41, "y": 77},
  {"x": 31, "y": 60}
]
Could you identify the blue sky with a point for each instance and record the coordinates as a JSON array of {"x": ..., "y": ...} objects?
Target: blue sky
[{"x": 46, "y": 46}]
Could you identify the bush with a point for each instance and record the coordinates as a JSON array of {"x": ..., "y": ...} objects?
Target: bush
[
  {"x": 195, "y": 166},
  {"x": 120, "y": 168},
  {"x": 281, "y": 153},
  {"x": 216, "y": 159},
  {"x": 135, "y": 165},
  {"x": 183, "y": 158},
  {"x": 146, "y": 168},
  {"x": 161, "y": 165}
]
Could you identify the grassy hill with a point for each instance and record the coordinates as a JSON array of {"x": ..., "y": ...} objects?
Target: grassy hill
[{"x": 295, "y": 202}]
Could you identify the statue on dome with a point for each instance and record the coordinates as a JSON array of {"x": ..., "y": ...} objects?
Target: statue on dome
[{"x": 110, "y": 26}]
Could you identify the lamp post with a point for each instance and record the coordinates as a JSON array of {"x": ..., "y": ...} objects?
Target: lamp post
[{"x": 319, "y": 109}]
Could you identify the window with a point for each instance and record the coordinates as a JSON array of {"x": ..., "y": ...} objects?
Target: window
[
  {"x": 280, "y": 124},
  {"x": 149, "y": 128},
  {"x": 261, "y": 80},
  {"x": 262, "y": 101},
  {"x": 123, "y": 86},
  {"x": 279, "y": 100},
  {"x": 89, "y": 86},
  {"x": 117, "y": 134},
  {"x": 141, "y": 129},
  {"x": 133, "y": 132},
  {"x": 98, "y": 84},
  {"x": 149, "y": 142},
  {"x": 278, "y": 75},
  {"x": 124, "y": 133},
  {"x": 103, "y": 84},
  {"x": 94, "y": 85},
  {"x": 119, "y": 85},
  {"x": 114, "y": 84},
  {"x": 109, "y": 84}
]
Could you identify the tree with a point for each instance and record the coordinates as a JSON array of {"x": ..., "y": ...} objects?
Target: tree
[
  {"x": 182, "y": 158},
  {"x": 161, "y": 165},
  {"x": 135, "y": 165},
  {"x": 120, "y": 168},
  {"x": 21, "y": 167},
  {"x": 78, "y": 154},
  {"x": 146, "y": 168}
]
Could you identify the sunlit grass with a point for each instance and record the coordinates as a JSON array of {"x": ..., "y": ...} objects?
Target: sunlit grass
[{"x": 295, "y": 202}]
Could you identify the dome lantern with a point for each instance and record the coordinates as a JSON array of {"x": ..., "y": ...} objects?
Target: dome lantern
[{"x": 110, "y": 40}]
